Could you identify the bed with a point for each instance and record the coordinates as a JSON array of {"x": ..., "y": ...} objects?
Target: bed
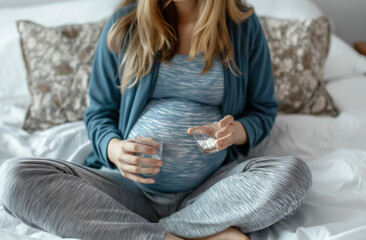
[{"x": 334, "y": 147}]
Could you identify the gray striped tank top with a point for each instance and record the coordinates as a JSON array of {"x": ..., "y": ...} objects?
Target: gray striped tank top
[{"x": 183, "y": 98}]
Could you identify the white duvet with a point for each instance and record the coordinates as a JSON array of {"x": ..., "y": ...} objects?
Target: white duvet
[{"x": 334, "y": 148}]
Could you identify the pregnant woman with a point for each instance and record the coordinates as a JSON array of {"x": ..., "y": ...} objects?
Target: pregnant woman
[{"x": 167, "y": 66}]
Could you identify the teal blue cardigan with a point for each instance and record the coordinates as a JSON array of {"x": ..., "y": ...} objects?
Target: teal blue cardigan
[{"x": 249, "y": 98}]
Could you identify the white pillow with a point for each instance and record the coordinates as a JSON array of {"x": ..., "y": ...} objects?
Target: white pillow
[
  {"x": 349, "y": 95},
  {"x": 13, "y": 85},
  {"x": 286, "y": 8},
  {"x": 343, "y": 61}
]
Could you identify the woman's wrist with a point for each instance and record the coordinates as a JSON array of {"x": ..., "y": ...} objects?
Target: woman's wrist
[
  {"x": 110, "y": 148},
  {"x": 241, "y": 134}
]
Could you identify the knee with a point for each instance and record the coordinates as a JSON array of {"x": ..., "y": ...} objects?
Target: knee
[
  {"x": 294, "y": 182},
  {"x": 299, "y": 173},
  {"x": 290, "y": 183},
  {"x": 299, "y": 177},
  {"x": 12, "y": 178},
  {"x": 288, "y": 178},
  {"x": 289, "y": 172}
]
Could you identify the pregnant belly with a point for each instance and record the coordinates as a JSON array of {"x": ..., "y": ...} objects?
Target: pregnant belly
[{"x": 184, "y": 165}]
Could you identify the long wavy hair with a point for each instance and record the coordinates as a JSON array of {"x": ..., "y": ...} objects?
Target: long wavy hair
[{"x": 151, "y": 29}]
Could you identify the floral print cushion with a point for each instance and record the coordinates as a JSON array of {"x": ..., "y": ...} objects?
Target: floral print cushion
[
  {"x": 58, "y": 62},
  {"x": 298, "y": 50}
]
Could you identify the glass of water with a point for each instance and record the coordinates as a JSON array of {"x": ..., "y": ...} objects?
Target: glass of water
[{"x": 154, "y": 140}]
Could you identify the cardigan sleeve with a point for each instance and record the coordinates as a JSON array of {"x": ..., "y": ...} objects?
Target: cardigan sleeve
[
  {"x": 261, "y": 105},
  {"x": 102, "y": 115}
]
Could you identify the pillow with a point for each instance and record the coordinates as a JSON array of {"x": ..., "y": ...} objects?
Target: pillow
[
  {"x": 343, "y": 61},
  {"x": 299, "y": 49},
  {"x": 349, "y": 95},
  {"x": 58, "y": 62},
  {"x": 12, "y": 73},
  {"x": 289, "y": 9},
  {"x": 13, "y": 84}
]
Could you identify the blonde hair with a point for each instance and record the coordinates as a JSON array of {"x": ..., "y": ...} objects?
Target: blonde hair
[{"x": 150, "y": 29}]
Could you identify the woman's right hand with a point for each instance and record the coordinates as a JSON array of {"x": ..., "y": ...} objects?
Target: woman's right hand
[{"x": 121, "y": 153}]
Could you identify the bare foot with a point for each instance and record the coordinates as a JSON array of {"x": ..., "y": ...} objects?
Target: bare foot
[
  {"x": 169, "y": 236},
  {"x": 228, "y": 234}
]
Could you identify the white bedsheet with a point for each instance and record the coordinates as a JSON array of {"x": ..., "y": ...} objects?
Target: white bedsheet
[
  {"x": 335, "y": 207},
  {"x": 334, "y": 148}
]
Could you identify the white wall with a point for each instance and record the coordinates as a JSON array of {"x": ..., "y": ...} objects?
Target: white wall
[
  {"x": 348, "y": 16},
  {"x": 17, "y": 3}
]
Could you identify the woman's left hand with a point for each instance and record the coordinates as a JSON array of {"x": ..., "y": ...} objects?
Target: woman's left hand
[{"x": 231, "y": 132}]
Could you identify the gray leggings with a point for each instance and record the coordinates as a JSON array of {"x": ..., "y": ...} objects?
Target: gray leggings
[{"x": 70, "y": 200}]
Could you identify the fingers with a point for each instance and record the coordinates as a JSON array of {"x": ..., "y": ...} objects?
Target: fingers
[
  {"x": 136, "y": 178},
  {"x": 224, "y": 131},
  {"x": 138, "y": 148},
  {"x": 130, "y": 165},
  {"x": 139, "y": 169},
  {"x": 190, "y": 130},
  {"x": 226, "y": 121},
  {"x": 225, "y": 142},
  {"x": 136, "y": 160},
  {"x": 226, "y": 136},
  {"x": 206, "y": 129},
  {"x": 147, "y": 141},
  {"x": 136, "y": 164},
  {"x": 130, "y": 171}
]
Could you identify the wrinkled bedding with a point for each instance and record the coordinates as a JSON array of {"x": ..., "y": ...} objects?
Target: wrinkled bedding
[{"x": 334, "y": 148}]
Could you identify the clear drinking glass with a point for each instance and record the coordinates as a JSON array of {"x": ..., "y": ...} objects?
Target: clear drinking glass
[
  {"x": 205, "y": 137},
  {"x": 154, "y": 140}
]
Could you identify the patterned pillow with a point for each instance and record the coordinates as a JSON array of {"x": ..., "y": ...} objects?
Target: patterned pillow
[
  {"x": 299, "y": 49},
  {"x": 58, "y": 62}
]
